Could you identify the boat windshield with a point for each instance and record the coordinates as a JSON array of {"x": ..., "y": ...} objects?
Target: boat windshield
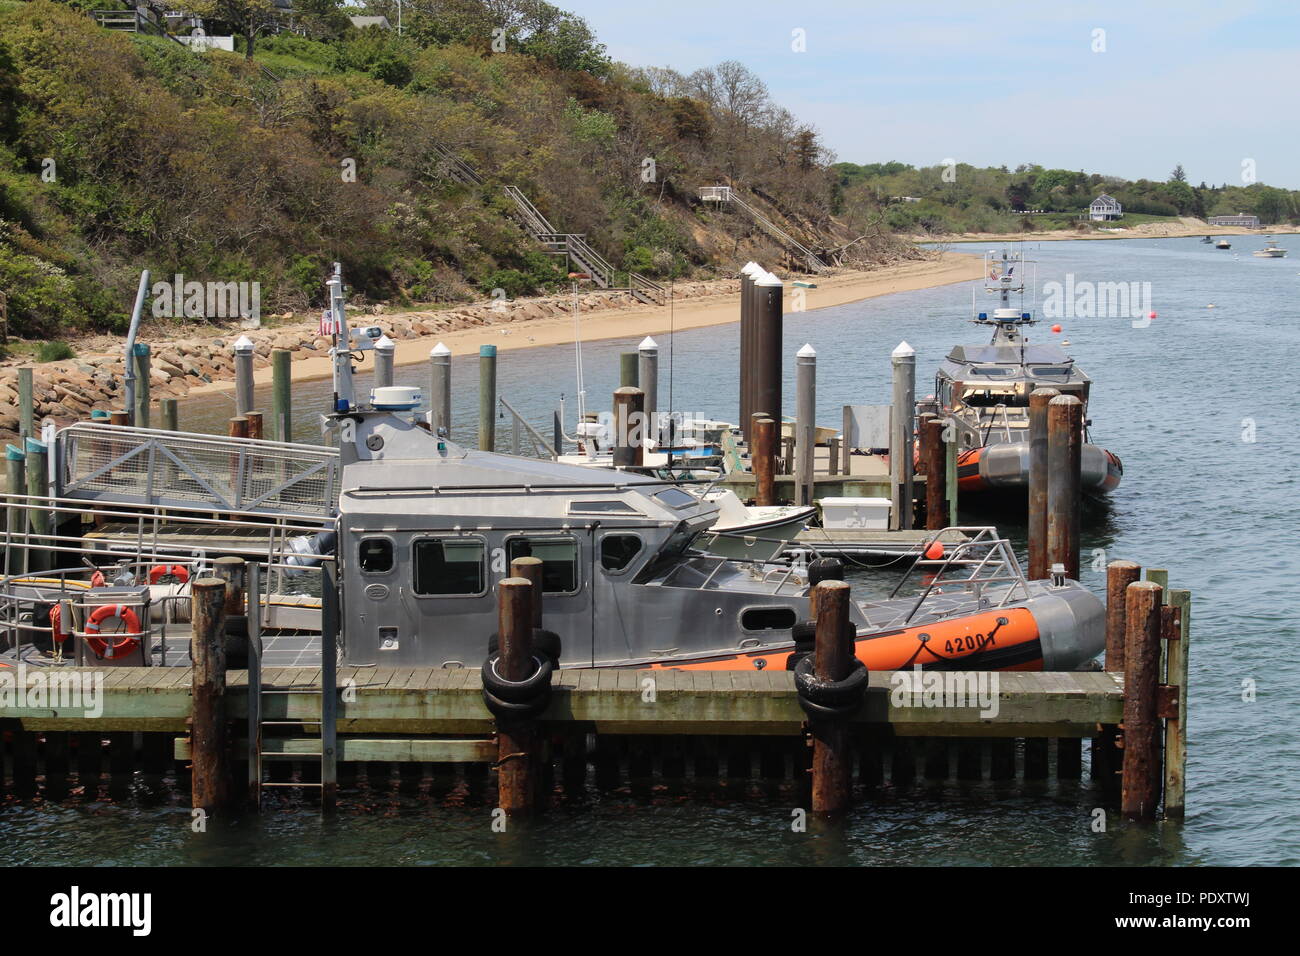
[
  {"x": 993, "y": 399},
  {"x": 674, "y": 547}
]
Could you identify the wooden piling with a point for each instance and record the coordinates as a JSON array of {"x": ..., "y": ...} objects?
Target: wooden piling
[
  {"x": 26, "y": 404},
  {"x": 17, "y": 518},
  {"x": 234, "y": 572},
  {"x": 629, "y": 427},
  {"x": 932, "y": 454},
  {"x": 517, "y": 740},
  {"x": 440, "y": 390},
  {"x": 281, "y": 394},
  {"x": 530, "y": 569},
  {"x": 1064, "y": 448},
  {"x": 38, "y": 490},
  {"x": 1105, "y": 745},
  {"x": 832, "y": 767},
  {"x": 629, "y": 370},
  {"x": 238, "y": 427},
  {"x": 950, "y": 450},
  {"x": 902, "y": 414},
  {"x": 255, "y": 425},
  {"x": 1119, "y": 575},
  {"x": 244, "y": 353},
  {"x": 762, "y": 461},
  {"x": 119, "y": 417},
  {"x": 805, "y": 366},
  {"x": 487, "y": 397},
  {"x": 1038, "y": 481},
  {"x": 170, "y": 414},
  {"x": 746, "y": 351},
  {"x": 648, "y": 381},
  {"x": 768, "y": 322},
  {"x": 141, "y": 357},
  {"x": 1176, "y": 726},
  {"x": 1142, "y": 773},
  {"x": 209, "y": 754}
]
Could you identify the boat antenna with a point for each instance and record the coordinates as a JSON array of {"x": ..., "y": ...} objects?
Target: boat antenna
[
  {"x": 341, "y": 352},
  {"x": 672, "y": 314},
  {"x": 577, "y": 346}
]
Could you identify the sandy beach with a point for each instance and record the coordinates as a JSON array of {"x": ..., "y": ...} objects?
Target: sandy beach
[{"x": 833, "y": 290}]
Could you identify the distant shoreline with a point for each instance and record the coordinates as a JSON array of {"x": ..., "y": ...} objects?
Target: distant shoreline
[{"x": 1147, "y": 230}]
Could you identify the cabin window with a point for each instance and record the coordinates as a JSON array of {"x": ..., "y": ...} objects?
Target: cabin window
[
  {"x": 617, "y": 551},
  {"x": 559, "y": 561},
  {"x": 767, "y": 618},
  {"x": 448, "y": 567},
  {"x": 375, "y": 555}
]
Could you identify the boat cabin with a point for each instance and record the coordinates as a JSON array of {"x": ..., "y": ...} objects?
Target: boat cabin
[
  {"x": 427, "y": 528},
  {"x": 988, "y": 386}
]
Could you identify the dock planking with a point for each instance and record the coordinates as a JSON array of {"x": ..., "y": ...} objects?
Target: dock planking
[{"x": 432, "y": 700}]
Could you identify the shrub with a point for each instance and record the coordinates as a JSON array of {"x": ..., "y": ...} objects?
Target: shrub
[{"x": 54, "y": 351}]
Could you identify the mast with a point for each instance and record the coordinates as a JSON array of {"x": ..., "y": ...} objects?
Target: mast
[
  {"x": 341, "y": 352},
  {"x": 1004, "y": 274}
]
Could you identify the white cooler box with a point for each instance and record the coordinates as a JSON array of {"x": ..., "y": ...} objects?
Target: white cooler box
[{"x": 870, "y": 513}]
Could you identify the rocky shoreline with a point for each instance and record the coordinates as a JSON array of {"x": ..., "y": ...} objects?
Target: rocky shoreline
[{"x": 68, "y": 390}]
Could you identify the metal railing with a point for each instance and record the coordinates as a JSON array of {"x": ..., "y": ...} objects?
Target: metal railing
[
  {"x": 991, "y": 562},
  {"x": 180, "y": 470},
  {"x": 541, "y": 447}
]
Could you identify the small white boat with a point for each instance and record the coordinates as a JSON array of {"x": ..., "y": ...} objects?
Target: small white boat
[
  {"x": 1270, "y": 250},
  {"x": 750, "y": 531},
  {"x": 1223, "y": 244}
]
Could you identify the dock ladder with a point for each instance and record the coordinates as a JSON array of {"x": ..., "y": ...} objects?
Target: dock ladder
[{"x": 274, "y": 706}]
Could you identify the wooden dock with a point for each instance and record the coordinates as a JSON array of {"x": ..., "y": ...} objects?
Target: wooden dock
[
  {"x": 428, "y": 700},
  {"x": 604, "y": 728}
]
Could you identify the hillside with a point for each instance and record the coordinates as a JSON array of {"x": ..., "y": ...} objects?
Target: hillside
[{"x": 120, "y": 152}]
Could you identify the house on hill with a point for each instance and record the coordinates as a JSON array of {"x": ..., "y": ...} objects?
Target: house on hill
[
  {"x": 1240, "y": 219},
  {"x": 1105, "y": 208},
  {"x": 362, "y": 22}
]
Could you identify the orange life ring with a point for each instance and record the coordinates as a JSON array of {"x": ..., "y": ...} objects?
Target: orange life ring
[
  {"x": 97, "y": 579},
  {"x": 119, "y": 644},
  {"x": 56, "y": 624},
  {"x": 160, "y": 571}
]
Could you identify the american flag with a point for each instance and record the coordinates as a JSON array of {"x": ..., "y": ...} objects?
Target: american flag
[{"x": 328, "y": 324}]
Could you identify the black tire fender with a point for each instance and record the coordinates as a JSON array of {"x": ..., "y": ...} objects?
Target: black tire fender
[{"x": 538, "y": 683}]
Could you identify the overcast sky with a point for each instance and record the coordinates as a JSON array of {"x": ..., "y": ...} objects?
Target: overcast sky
[{"x": 1203, "y": 83}]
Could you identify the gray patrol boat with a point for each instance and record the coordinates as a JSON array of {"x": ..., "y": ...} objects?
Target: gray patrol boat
[{"x": 985, "y": 390}]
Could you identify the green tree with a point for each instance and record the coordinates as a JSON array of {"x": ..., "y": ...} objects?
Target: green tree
[{"x": 246, "y": 18}]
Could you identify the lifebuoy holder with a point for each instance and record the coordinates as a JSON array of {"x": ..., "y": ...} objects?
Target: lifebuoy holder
[{"x": 113, "y": 645}]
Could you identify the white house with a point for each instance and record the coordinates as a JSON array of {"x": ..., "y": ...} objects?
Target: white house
[
  {"x": 1240, "y": 219},
  {"x": 362, "y": 22},
  {"x": 1105, "y": 207}
]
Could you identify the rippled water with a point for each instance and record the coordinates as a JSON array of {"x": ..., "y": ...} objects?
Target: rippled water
[{"x": 1176, "y": 400}]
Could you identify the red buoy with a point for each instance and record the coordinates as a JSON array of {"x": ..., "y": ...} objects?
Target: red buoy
[
  {"x": 935, "y": 551},
  {"x": 1151, "y": 315},
  {"x": 1056, "y": 328}
]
